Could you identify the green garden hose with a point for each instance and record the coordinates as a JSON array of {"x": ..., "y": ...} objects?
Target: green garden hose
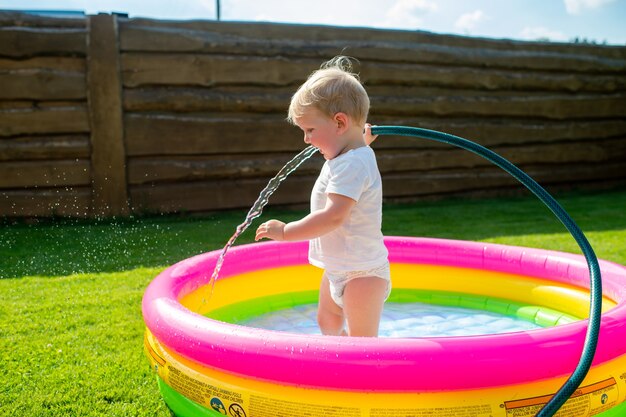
[{"x": 595, "y": 308}]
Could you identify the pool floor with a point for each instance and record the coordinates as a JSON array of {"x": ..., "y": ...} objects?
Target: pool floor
[{"x": 402, "y": 320}]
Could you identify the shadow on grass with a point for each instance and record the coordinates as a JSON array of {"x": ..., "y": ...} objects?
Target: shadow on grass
[{"x": 65, "y": 247}]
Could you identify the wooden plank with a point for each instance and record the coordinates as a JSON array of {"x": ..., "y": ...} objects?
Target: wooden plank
[
  {"x": 43, "y": 78},
  {"x": 16, "y": 18},
  {"x": 66, "y": 202},
  {"x": 24, "y": 42},
  {"x": 44, "y": 173},
  {"x": 45, "y": 147},
  {"x": 584, "y": 152},
  {"x": 515, "y": 191},
  {"x": 42, "y": 84},
  {"x": 208, "y": 70},
  {"x": 108, "y": 158},
  {"x": 52, "y": 63},
  {"x": 391, "y": 101},
  {"x": 503, "y": 131},
  {"x": 227, "y": 133},
  {"x": 148, "y": 170},
  {"x": 326, "y": 33},
  {"x": 253, "y": 41},
  {"x": 548, "y": 106},
  {"x": 579, "y": 152},
  {"x": 383, "y": 74},
  {"x": 449, "y": 182},
  {"x": 166, "y": 134},
  {"x": 225, "y": 99},
  {"x": 27, "y": 121},
  {"x": 215, "y": 195}
]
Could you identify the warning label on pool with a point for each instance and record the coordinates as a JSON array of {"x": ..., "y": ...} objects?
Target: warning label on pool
[
  {"x": 265, "y": 407},
  {"x": 461, "y": 411},
  {"x": 586, "y": 401},
  {"x": 202, "y": 392}
]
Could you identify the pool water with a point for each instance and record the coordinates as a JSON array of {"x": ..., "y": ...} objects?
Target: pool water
[{"x": 402, "y": 320}]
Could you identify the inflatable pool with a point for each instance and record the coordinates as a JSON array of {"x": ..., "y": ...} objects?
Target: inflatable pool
[{"x": 207, "y": 364}]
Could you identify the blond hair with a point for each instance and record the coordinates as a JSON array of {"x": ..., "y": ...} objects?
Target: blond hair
[{"x": 332, "y": 89}]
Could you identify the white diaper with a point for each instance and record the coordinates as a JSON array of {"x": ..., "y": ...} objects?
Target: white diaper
[{"x": 339, "y": 279}]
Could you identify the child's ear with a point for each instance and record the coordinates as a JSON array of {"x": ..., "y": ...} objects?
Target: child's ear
[{"x": 342, "y": 120}]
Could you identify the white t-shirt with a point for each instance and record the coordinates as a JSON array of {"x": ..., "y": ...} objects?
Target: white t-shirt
[{"x": 357, "y": 244}]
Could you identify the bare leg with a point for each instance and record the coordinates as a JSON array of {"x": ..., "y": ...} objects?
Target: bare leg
[
  {"x": 363, "y": 301},
  {"x": 330, "y": 316}
]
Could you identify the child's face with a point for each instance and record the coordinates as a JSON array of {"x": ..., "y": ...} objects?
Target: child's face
[{"x": 321, "y": 131}]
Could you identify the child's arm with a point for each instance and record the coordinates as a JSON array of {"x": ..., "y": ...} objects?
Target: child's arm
[
  {"x": 367, "y": 134},
  {"x": 314, "y": 225}
]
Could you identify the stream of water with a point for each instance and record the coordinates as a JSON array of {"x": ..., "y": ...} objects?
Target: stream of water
[{"x": 257, "y": 209}]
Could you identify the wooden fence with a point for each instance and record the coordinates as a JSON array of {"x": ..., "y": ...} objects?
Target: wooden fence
[{"x": 104, "y": 115}]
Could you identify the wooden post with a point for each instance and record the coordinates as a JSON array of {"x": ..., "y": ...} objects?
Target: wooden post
[{"x": 108, "y": 155}]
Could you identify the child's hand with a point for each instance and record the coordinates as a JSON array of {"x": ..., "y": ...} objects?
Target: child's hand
[
  {"x": 367, "y": 134},
  {"x": 273, "y": 229}
]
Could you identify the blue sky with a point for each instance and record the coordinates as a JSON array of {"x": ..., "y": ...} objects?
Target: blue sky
[{"x": 557, "y": 20}]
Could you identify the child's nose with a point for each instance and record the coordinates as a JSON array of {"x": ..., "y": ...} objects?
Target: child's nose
[{"x": 306, "y": 139}]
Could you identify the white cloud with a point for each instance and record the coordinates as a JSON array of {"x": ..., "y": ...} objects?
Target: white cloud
[
  {"x": 577, "y": 6},
  {"x": 539, "y": 33},
  {"x": 468, "y": 21},
  {"x": 408, "y": 13}
]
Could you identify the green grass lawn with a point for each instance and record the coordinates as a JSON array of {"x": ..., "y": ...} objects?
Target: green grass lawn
[{"x": 71, "y": 331}]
